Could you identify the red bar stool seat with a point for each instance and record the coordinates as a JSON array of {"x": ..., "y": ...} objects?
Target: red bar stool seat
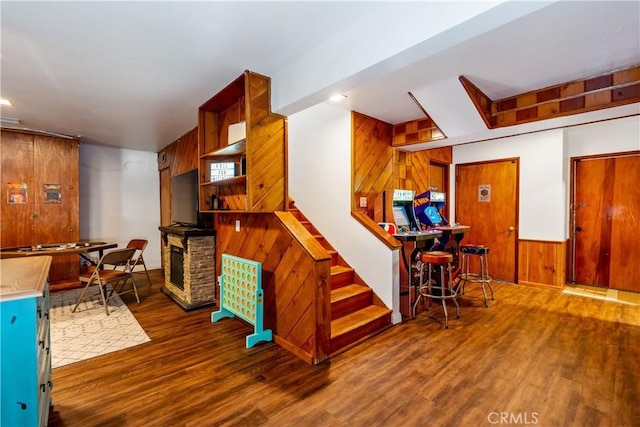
[
  {"x": 482, "y": 277},
  {"x": 429, "y": 289}
]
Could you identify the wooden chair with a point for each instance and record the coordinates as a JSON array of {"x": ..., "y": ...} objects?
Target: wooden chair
[{"x": 102, "y": 276}]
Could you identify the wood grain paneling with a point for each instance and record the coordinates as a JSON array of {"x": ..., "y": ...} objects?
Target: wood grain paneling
[
  {"x": 176, "y": 158},
  {"x": 607, "y": 90},
  {"x": 606, "y": 220},
  {"x": 416, "y": 131},
  {"x": 295, "y": 274},
  {"x": 372, "y": 157},
  {"x": 181, "y": 155},
  {"x": 542, "y": 263},
  {"x": 266, "y": 165},
  {"x": 57, "y": 163},
  {"x": 36, "y": 159},
  {"x": 380, "y": 168},
  {"x": 17, "y": 167},
  {"x": 263, "y": 187},
  {"x": 493, "y": 219}
]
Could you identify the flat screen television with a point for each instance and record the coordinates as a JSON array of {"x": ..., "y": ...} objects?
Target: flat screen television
[{"x": 184, "y": 199}]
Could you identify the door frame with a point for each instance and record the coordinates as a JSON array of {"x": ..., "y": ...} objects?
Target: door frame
[
  {"x": 517, "y": 206},
  {"x": 571, "y": 260}
]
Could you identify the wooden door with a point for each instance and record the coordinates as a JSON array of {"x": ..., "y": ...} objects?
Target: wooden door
[
  {"x": 606, "y": 209},
  {"x": 56, "y": 221},
  {"x": 438, "y": 177},
  {"x": 16, "y": 151},
  {"x": 487, "y": 200}
]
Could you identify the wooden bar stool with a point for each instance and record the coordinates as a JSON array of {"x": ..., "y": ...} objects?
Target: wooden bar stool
[
  {"x": 430, "y": 289},
  {"x": 483, "y": 277}
]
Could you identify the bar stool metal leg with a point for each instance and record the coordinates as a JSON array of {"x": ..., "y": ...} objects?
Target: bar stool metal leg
[{"x": 441, "y": 261}]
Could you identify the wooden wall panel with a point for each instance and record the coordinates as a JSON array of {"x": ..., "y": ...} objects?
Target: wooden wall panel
[
  {"x": 181, "y": 155},
  {"x": 416, "y": 131},
  {"x": 372, "y": 158},
  {"x": 380, "y": 168},
  {"x": 176, "y": 158},
  {"x": 165, "y": 198},
  {"x": 541, "y": 263},
  {"x": 419, "y": 171},
  {"x": 607, "y": 90},
  {"x": 266, "y": 164},
  {"x": 291, "y": 277},
  {"x": 16, "y": 151},
  {"x": 37, "y": 158},
  {"x": 57, "y": 162}
]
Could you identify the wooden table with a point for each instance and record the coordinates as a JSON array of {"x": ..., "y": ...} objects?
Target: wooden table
[
  {"x": 58, "y": 251},
  {"x": 54, "y": 249}
]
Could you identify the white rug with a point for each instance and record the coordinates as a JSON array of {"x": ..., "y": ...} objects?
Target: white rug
[{"x": 89, "y": 332}]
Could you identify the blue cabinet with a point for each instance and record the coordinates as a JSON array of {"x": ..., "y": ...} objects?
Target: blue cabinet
[{"x": 25, "y": 361}]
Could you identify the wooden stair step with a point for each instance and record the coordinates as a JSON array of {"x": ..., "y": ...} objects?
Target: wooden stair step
[
  {"x": 348, "y": 291},
  {"x": 350, "y": 298},
  {"x": 334, "y": 257},
  {"x": 341, "y": 276},
  {"x": 362, "y": 318},
  {"x": 355, "y": 328}
]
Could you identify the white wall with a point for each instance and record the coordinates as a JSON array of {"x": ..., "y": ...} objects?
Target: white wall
[
  {"x": 613, "y": 136},
  {"x": 319, "y": 183},
  {"x": 120, "y": 197},
  {"x": 545, "y": 168},
  {"x": 542, "y": 187}
]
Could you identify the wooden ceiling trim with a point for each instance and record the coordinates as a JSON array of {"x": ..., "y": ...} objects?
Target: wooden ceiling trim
[
  {"x": 416, "y": 131},
  {"x": 611, "y": 89}
]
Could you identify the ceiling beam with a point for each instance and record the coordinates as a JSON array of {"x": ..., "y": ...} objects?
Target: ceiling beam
[{"x": 611, "y": 89}]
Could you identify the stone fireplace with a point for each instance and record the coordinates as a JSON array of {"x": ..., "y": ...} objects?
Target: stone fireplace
[{"x": 188, "y": 256}]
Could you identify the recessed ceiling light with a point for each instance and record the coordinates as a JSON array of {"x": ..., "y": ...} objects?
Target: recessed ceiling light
[
  {"x": 6, "y": 102},
  {"x": 337, "y": 97}
]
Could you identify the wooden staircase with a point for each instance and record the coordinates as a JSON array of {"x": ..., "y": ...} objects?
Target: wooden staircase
[{"x": 356, "y": 312}]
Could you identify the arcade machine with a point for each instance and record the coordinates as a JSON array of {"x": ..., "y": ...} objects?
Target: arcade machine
[
  {"x": 414, "y": 240},
  {"x": 403, "y": 212},
  {"x": 428, "y": 212}
]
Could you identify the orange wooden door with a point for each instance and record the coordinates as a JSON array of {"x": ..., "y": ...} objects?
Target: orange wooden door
[
  {"x": 606, "y": 206},
  {"x": 487, "y": 200},
  {"x": 16, "y": 150}
]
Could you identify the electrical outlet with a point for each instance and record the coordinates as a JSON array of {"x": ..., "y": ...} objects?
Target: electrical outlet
[
  {"x": 363, "y": 202},
  {"x": 237, "y": 225}
]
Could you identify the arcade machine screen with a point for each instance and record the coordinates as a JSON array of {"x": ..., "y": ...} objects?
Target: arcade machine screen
[
  {"x": 432, "y": 213},
  {"x": 401, "y": 219},
  {"x": 427, "y": 208}
]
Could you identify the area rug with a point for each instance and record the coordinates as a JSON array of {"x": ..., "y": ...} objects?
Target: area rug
[{"x": 89, "y": 332}]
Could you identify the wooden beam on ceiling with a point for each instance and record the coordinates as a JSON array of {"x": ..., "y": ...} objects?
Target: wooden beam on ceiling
[
  {"x": 416, "y": 131},
  {"x": 611, "y": 89}
]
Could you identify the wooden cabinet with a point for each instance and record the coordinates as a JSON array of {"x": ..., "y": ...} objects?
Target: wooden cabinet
[
  {"x": 25, "y": 339},
  {"x": 47, "y": 214},
  {"x": 260, "y": 180}
]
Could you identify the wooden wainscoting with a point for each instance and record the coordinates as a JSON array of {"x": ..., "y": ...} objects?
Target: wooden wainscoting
[
  {"x": 295, "y": 279},
  {"x": 542, "y": 263}
]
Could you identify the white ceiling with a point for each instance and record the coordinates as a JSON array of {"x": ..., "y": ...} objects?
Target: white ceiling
[{"x": 133, "y": 74}]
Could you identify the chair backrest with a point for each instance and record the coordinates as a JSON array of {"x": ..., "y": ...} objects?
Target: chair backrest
[
  {"x": 138, "y": 244},
  {"x": 117, "y": 257}
]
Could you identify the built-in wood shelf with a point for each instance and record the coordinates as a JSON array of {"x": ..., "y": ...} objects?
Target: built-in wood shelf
[
  {"x": 234, "y": 149},
  {"x": 241, "y": 179}
]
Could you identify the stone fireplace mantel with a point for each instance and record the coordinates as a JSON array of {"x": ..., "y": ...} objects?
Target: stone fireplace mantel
[{"x": 188, "y": 255}]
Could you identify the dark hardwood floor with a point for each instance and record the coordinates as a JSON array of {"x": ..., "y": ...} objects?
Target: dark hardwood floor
[{"x": 535, "y": 356}]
